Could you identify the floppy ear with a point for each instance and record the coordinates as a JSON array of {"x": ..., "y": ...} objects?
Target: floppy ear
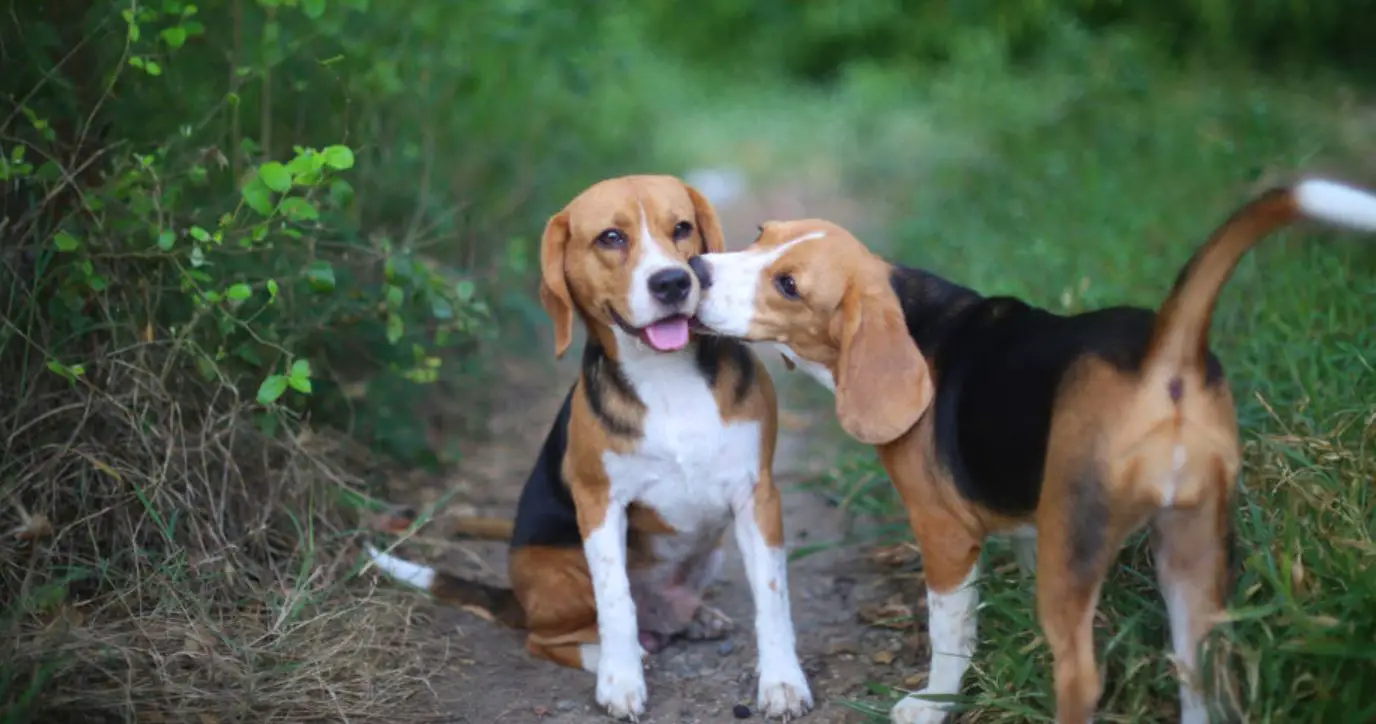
[
  {"x": 554, "y": 286},
  {"x": 883, "y": 384},
  {"x": 713, "y": 241}
]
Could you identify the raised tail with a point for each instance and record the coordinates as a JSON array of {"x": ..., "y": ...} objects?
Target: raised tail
[
  {"x": 500, "y": 602},
  {"x": 1180, "y": 339}
]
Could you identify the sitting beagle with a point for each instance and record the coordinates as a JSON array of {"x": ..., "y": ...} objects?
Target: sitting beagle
[
  {"x": 992, "y": 416},
  {"x": 664, "y": 441}
]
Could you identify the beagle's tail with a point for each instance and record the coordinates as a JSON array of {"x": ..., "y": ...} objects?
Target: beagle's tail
[
  {"x": 1180, "y": 339},
  {"x": 484, "y": 528},
  {"x": 500, "y": 602}
]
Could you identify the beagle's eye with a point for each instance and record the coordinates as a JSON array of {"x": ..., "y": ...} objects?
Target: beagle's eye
[
  {"x": 682, "y": 230},
  {"x": 787, "y": 286},
  {"x": 611, "y": 239}
]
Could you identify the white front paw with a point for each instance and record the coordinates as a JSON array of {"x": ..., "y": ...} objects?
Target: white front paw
[
  {"x": 784, "y": 693},
  {"x": 918, "y": 711},
  {"x": 621, "y": 688}
]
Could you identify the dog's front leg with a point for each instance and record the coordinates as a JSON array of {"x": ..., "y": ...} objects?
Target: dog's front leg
[
  {"x": 620, "y": 677},
  {"x": 783, "y": 690}
]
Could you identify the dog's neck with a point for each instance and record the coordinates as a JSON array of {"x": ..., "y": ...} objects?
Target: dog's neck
[
  {"x": 930, "y": 304},
  {"x": 616, "y": 376}
]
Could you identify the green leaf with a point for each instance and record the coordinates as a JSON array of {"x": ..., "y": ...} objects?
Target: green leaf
[
  {"x": 258, "y": 196},
  {"x": 166, "y": 239},
  {"x": 464, "y": 289},
  {"x": 301, "y": 368},
  {"x": 321, "y": 276},
  {"x": 298, "y": 209},
  {"x": 152, "y": 68},
  {"x": 271, "y": 389},
  {"x": 313, "y": 8},
  {"x": 272, "y": 289},
  {"x": 395, "y": 328},
  {"x": 441, "y": 308},
  {"x": 341, "y": 192},
  {"x": 275, "y": 176},
  {"x": 305, "y": 163},
  {"x": 339, "y": 158},
  {"x": 206, "y": 367},
  {"x": 66, "y": 242},
  {"x": 174, "y": 37},
  {"x": 300, "y": 384},
  {"x": 58, "y": 368},
  {"x": 239, "y": 292},
  {"x": 395, "y": 297},
  {"x": 200, "y": 234},
  {"x": 247, "y": 353}
]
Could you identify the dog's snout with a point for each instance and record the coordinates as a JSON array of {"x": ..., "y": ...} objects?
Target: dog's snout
[
  {"x": 702, "y": 270},
  {"x": 670, "y": 286}
]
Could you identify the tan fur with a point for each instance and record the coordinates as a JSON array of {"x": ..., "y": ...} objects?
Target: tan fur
[
  {"x": 882, "y": 382},
  {"x": 763, "y": 406},
  {"x": 484, "y": 528},
  {"x": 847, "y": 305},
  {"x": 555, "y": 590},
  {"x": 578, "y": 275}
]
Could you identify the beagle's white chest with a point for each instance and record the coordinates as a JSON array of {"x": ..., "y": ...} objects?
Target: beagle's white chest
[{"x": 689, "y": 466}]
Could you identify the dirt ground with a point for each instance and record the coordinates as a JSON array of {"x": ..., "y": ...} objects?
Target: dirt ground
[{"x": 490, "y": 678}]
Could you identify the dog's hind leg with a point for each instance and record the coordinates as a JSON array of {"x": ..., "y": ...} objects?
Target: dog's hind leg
[
  {"x": 1080, "y": 536},
  {"x": 1191, "y": 548}
]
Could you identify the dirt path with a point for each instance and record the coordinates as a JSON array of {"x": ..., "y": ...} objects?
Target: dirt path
[{"x": 490, "y": 678}]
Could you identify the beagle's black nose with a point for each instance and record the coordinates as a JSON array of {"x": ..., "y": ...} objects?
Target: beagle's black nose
[
  {"x": 701, "y": 270},
  {"x": 670, "y": 286}
]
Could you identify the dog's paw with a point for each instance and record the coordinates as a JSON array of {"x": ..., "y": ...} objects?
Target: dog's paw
[
  {"x": 621, "y": 688},
  {"x": 708, "y": 623},
  {"x": 784, "y": 694},
  {"x": 918, "y": 711}
]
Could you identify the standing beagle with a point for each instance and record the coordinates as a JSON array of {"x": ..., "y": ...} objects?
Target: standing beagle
[
  {"x": 992, "y": 416},
  {"x": 664, "y": 441}
]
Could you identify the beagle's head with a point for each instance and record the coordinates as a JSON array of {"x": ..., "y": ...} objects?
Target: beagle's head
[
  {"x": 827, "y": 301},
  {"x": 618, "y": 253}
]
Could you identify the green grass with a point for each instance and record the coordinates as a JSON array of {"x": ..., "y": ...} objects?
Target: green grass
[{"x": 1080, "y": 189}]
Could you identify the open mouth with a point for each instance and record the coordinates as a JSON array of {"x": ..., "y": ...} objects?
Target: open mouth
[{"x": 669, "y": 334}]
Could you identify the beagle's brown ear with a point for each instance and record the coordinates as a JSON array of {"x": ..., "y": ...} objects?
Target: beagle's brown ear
[
  {"x": 883, "y": 384},
  {"x": 554, "y": 286},
  {"x": 713, "y": 241}
]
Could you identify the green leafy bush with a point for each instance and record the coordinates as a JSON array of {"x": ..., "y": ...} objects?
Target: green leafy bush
[
  {"x": 287, "y": 190},
  {"x": 229, "y": 226}
]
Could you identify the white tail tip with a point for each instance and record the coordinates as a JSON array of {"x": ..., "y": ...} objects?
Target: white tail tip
[
  {"x": 1337, "y": 203},
  {"x": 402, "y": 570}
]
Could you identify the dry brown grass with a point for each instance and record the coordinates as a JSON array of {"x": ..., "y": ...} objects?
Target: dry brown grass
[{"x": 162, "y": 560}]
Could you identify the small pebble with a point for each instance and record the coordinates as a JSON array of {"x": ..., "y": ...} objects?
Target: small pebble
[
  {"x": 565, "y": 705},
  {"x": 726, "y": 647},
  {"x": 741, "y": 711}
]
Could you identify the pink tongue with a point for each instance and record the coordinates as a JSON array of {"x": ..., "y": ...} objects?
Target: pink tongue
[{"x": 668, "y": 335}]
